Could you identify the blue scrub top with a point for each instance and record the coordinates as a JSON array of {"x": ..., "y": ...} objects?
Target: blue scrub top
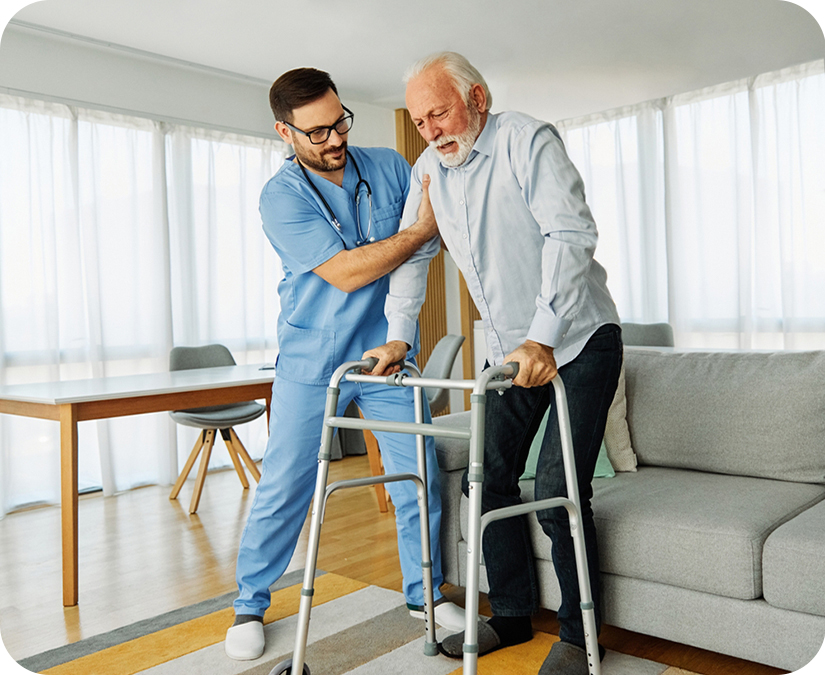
[{"x": 321, "y": 327}]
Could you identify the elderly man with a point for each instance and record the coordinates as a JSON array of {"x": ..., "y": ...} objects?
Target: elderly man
[{"x": 510, "y": 209}]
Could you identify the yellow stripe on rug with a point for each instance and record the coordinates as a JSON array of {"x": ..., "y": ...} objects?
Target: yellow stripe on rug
[
  {"x": 161, "y": 646},
  {"x": 525, "y": 658}
]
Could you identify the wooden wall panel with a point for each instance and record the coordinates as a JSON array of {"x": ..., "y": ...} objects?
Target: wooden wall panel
[
  {"x": 433, "y": 316},
  {"x": 408, "y": 142},
  {"x": 469, "y": 313}
]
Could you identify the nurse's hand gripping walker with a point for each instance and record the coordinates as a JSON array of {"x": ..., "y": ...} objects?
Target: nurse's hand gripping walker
[{"x": 493, "y": 378}]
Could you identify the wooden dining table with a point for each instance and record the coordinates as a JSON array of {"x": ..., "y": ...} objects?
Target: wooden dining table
[{"x": 72, "y": 401}]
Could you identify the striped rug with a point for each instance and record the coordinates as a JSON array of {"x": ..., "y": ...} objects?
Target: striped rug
[{"x": 355, "y": 628}]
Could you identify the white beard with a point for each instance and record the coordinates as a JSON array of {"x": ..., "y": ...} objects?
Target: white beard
[{"x": 465, "y": 141}]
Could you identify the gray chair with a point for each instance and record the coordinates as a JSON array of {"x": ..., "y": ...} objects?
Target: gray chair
[
  {"x": 440, "y": 365},
  {"x": 211, "y": 418},
  {"x": 655, "y": 335}
]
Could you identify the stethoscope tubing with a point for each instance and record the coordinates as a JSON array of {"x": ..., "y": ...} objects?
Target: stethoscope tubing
[{"x": 333, "y": 218}]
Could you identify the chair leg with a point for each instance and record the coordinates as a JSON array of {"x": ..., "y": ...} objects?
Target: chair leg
[
  {"x": 209, "y": 441},
  {"x": 241, "y": 449},
  {"x": 236, "y": 461},
  {"x": 376, "y": 466},
  {"x": 188, "y": 466}
]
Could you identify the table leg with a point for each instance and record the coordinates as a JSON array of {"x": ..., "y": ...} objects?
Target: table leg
[{"x": 68, "y": 500}]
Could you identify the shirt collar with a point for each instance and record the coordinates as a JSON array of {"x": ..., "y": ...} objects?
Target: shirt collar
[
  {"x": 483, "y": 144},
  {"x": 485, "y": 140}
]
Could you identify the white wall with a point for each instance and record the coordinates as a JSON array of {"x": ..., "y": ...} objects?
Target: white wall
[{"x": 54, "y": 66}]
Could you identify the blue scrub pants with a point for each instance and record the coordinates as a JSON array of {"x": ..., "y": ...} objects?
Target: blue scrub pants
[{"x": 287, "y": 483}]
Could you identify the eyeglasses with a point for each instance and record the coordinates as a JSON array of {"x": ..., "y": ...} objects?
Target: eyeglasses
[{"x": 321, "y": 134}]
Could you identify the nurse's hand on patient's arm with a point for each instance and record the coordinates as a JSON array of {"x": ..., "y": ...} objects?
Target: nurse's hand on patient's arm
[
  {"x": 536, "y": 364},
  {"x": 394, "y": 351},
  {"x": 352, "y": 269}
]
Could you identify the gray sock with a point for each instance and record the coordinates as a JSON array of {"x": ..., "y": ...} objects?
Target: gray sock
[
  {"x": 488, "y": 641},
  {"x": 243, "y": 619}
]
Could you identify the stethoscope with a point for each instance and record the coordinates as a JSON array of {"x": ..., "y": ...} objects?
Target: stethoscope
[{"x": 334, "y": 219}]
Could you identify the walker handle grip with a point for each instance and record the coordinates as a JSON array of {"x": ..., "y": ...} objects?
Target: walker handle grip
[
  {"x": 513, "y": 369},
  {"x": 372, "y": 362}
]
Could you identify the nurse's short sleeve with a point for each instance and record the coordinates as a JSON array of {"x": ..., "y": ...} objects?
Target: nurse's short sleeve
[{"x": 298, "y": 230}]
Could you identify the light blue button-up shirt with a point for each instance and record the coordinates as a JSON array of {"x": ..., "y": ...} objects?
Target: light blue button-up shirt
[{"x": 514, "y": 219}]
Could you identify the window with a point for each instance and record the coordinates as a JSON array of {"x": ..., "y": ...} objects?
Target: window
[
  {"x": 710, "y": 207},
  {"x": 120, "y": 237}
]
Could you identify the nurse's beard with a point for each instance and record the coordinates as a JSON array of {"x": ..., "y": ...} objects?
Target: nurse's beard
[{"x": 321, "y": 163}]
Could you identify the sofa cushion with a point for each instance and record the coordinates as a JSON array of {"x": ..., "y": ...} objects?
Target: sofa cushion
[
  {"x": 793, "y": 563},
  {"x": 759, "y": 414},
  {"x": 688, "y": 529},
  {"x": 694, "y": 529}
]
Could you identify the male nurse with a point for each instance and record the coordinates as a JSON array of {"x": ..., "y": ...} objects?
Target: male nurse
[{"x": 332, "y": 213}]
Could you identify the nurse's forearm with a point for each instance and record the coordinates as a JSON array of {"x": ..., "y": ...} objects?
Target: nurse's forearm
[{"x": 351, "y": 269}]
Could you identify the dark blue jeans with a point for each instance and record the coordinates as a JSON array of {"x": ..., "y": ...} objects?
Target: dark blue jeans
[{"x": 511, "y": 422}]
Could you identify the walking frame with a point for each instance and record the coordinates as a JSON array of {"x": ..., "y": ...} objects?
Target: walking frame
[{"x": 497, "y": 378}]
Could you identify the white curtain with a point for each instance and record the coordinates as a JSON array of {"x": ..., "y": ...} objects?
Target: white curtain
[
  {"x": 119, "y": 238},
  {"x": 225, "y": 288},
  {"x": 620, "y": 157},
  {"x": 711, "y": 209}
]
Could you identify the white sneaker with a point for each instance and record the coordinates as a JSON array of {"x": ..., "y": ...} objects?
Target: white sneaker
[
  {"x": 245, "y": 641},
  {"x": 447, "y": 614}
]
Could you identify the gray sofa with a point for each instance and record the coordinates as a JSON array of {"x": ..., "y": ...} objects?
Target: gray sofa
[{"x": 718, "y": 539}]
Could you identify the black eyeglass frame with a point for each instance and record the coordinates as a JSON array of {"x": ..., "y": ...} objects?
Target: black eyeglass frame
[{"x": 350, "y": 116}]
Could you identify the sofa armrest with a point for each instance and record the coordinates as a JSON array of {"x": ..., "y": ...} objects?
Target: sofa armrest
[
  {"x": 453, "y": 458},
  {"x": 453, "y": 454}
]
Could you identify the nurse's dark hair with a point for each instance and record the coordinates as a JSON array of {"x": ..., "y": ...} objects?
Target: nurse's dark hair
[{"x": 297, "y": 88}]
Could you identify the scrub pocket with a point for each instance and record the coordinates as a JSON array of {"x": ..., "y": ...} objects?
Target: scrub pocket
[
  {"x": 306, "y": 355},
  {"x": 385, "y": 220}
]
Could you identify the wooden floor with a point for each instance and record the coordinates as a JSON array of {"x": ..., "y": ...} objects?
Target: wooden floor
[{"x": 142, "y": 555}]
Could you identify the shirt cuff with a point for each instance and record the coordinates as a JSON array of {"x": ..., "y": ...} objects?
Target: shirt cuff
[
  {"x": 548, "y": 330},
  {"x": 401, "y": 328}
]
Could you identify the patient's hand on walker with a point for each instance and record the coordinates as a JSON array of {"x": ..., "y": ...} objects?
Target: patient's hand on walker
[
  {"x": 392, "y": 352},
  {"x": 536, "y": 364}
]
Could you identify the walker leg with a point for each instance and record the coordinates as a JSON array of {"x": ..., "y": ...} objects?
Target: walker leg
[
  {"x": 577, "y": 529},
  {"x": 430, "y": 645},
  {"x": 476, "y": 478},
  {"x": 308, "y": 589}
]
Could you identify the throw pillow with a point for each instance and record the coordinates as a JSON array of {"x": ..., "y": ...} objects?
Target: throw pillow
[
  {"x": 616, "y": 432},
  {"x": 603, "y": 467},
  {"x": 616, "y": 453}
]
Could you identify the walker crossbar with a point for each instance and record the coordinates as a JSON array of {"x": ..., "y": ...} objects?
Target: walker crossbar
[
  {"x": 404, "y": 380},
  {"x": 529, "y": 507},
  {"x": 368, "y": 481},
  {"x": 403, "y": 428}
]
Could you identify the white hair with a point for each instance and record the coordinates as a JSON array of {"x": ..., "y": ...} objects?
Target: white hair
[{"x": 460, "y": 70}]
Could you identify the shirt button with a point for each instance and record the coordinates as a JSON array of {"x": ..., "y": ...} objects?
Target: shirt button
[
  {"x": 464, "y": 235},
  {"x": 461, "y": 202}
]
